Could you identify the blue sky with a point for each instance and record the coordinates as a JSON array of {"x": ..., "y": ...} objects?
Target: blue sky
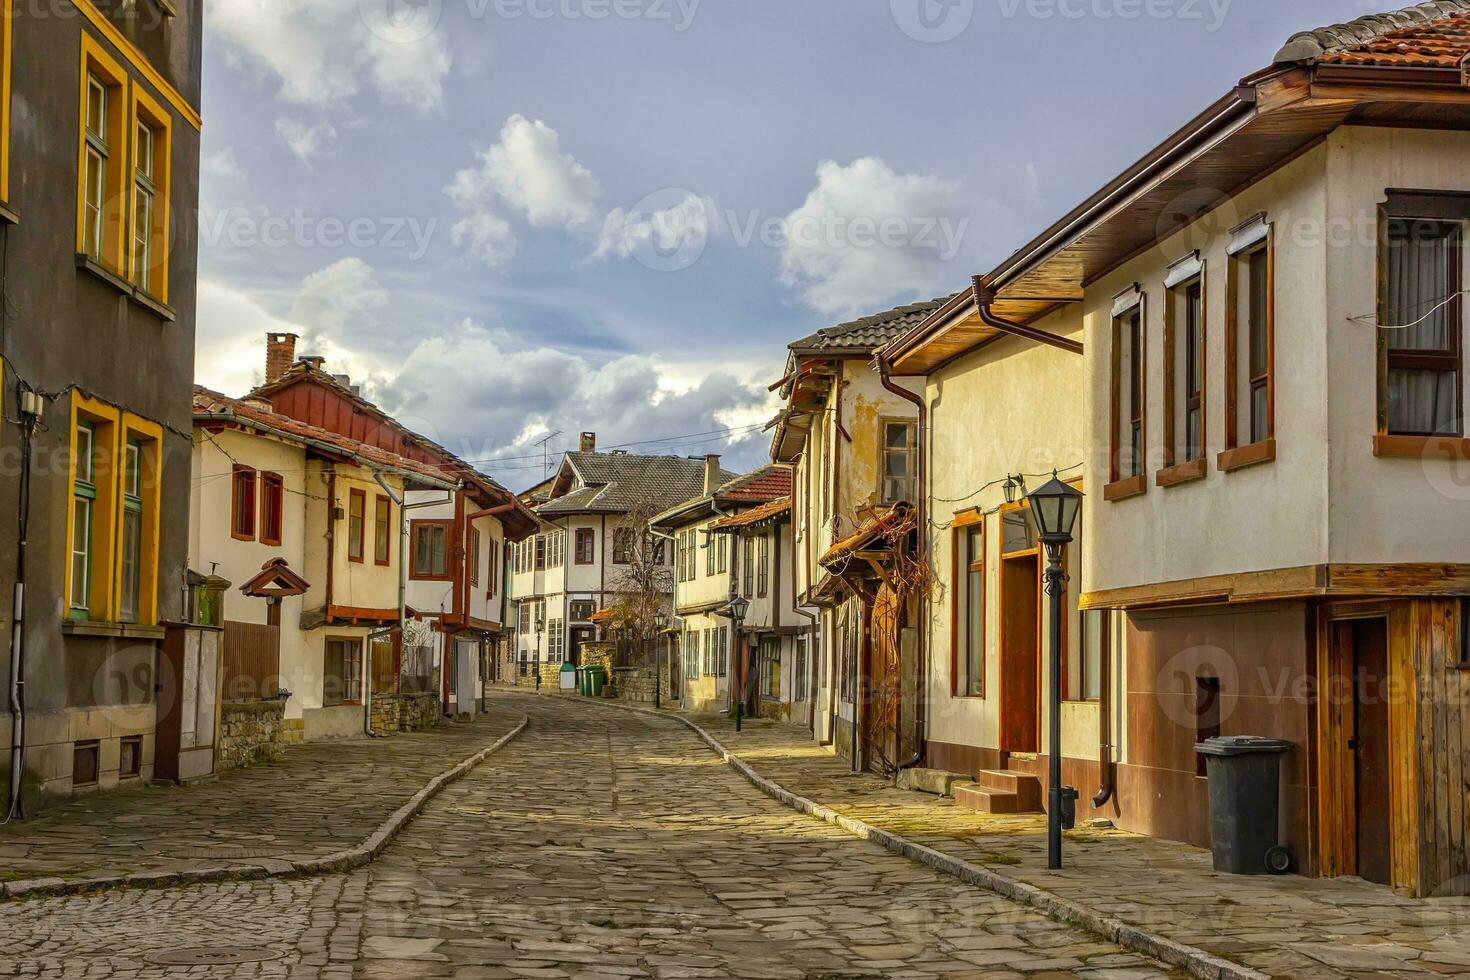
[{"x": 509, "y": 218}]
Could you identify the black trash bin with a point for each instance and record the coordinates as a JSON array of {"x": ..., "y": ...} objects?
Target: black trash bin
[{"x": 1245, "y": 803}]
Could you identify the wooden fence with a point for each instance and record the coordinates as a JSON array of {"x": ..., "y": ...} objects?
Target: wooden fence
[{"x": 252, "y": 662}]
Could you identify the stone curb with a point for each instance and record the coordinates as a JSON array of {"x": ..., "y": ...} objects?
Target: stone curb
[
  {"x": 350, "y": 859},
  {"x": 1197, "y": 961}
]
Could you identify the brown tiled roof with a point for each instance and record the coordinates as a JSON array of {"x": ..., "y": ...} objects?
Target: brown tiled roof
[
  {"x": 1427, "y": 35},
  {"x": 754, "y": 516},
  {"x": 618, "y": 483},
  {"x": 868, "y": 333},
  {"x": 766, "y": 483},
  {"x": 211, "y": 406}
]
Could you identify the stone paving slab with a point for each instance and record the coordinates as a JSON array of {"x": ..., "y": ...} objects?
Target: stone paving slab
[
  {"x": 324, "y": 798},
  {"x": 1290, "y": 926}
]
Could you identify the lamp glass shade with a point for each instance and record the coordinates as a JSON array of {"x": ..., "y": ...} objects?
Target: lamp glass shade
[
  {"x": 739, "y": 606},
  {"x": 1011, "y": 486},
  {"x": 660, "y": 620},
  {"x": 1055, "y": 506}
]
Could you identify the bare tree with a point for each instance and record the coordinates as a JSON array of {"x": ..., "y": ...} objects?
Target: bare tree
[{"x": 644, "y": 577}]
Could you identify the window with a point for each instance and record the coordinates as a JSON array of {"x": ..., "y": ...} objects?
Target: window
[
  {"x": 969, "y": 611},
  {"x": 623, "y": 544},
  {"x": 657, "y": 549},
  {"x": 132, "y": 532},
  {"x": 722, "y": 553},
  {"x": 1017, "y": 530},
  {"x": 342, "y": 671},
  {"x": 148, "y": 257},
  {"x": 382, "y": 530},
  {"x": 272, "y": 491},
  {"x": 356, "y": 523},
  {"x": 748, "y": 573},
  {"x": 586, "y": 546},
  {"x": 6, "y": 16},
  {"x": 1421, "y": 326},
  {"x": 722, "y": 652},
  {"x": 582, "y": 609},
  {"x": 799, "y": 679},
  {"x": 762, "y": 565},
  {"x": 85, "y": 763},
  {"x": 900, "y": 451},
  {"x": 101, "y": 225},
  {"x": 770, "y": 656},
  {"x": 691, "y": 655},
  {"x": 1129, "y": 391},
  {"x": 242, "y": 504},
  {"x": 492, "y": 570},
  {"x": 474, "y": 557},
  {"x": 1206, "y": 713},
  {"x": 1184, "y": 353},
  {"x": 430, "y": 550},
  {"x": 1250, "y": 337},
  {"x": 847, "y": 641},
  {"x": 540, "y": 552},
  {"x": 130, "y": 756},
  {"x": 709, "y": 552},
  {"x": 1084, "y": 677},
  {"x": 84, "y": 507}
]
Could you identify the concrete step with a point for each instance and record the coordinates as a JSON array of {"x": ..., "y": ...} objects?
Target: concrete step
[
  {"x": 977, "y": 797},
  {"x": 1023, "y": 762},
  {"x": 935, "y": 781},
  {"x": 1024, "y": 786}
]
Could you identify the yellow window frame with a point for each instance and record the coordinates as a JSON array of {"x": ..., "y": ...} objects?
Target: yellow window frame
[
  {"x": 96, "y": 61},
  {"x": 147, "y": 111},
  {"x": 106, "y": 429},
  {"x": 7, "y": 20},
  {"x": 149, "y": 436}
]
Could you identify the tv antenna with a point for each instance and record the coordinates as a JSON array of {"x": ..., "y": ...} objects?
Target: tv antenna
[{"x": 545, "y": 453}]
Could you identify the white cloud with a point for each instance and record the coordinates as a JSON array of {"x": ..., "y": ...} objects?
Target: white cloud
[
  {"x": 321, "y": 50},
  {"x": 528, "y": 172},
  {"x": 485, "y": 236},
  {"x": 304, "y": 139},
  {"x": 686, "y": 224},
  {"x": 866, "y": 236},
  {"x": 336, "y": 303}
]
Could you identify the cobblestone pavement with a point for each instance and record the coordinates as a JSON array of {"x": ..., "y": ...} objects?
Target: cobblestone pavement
[
  {"x": 600, "y": 844},
  {"x": 325, "y": 796},
  {"x": 1291, "y": 927}
]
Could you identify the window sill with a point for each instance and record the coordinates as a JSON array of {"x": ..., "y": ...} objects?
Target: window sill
[
  {"x": 1243, "y": 456},
  {"x": 154, "y": 305},
  {"x": 90, "y": 265},
  {"x": 1123, "y": 489},
  {"x": 1447, "y": 448},
  {"x": 1173, "y": 476},
  {"x": 430, "y": 578},
  {"x": 88, "y": 627},
  {"x": 8, "y": 216}
]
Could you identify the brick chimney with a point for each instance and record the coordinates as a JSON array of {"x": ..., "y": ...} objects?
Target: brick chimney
[
  {"x": 588, "y": 442},
  {"x": 280, "y": 354},
  {"x": 711, "y": 473}
]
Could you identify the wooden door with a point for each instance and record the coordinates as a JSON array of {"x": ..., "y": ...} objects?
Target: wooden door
[
  {"x": 1020, "y": 654},
  {"x": 1372, "y": 763}
]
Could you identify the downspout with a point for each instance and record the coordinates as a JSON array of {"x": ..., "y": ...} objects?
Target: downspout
[
  {"x": 1104, "y": 715},
  {"x": 16, "y": 806},
  {"x": 921, "y": 709}
]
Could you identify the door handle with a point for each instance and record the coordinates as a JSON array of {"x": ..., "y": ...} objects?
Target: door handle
[{"x": 1352, "y": 745}]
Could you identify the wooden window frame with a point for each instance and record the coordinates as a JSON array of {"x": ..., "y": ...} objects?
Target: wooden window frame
[
  {"x": 357, "y": 539},
  {"x": 151, "y": 280},
  {"x": 911, "y": 451},
  {"x": 272, "y": 504},
  {"x": 540, "y": 546},
  {"x": 112, "y": 249},
  {"x": 383, "y": 520},
  {"x": 1120, "y": 486},
  {"x": 352, "y": 643},
  {"x": 1448, "y": 208},
  {"x": 492, "y": 568},
  {"x": 964, "y": 525},
  {"x": 624, "y": 546},
  {"x": 472, "y": 558},
  {"x": 762, "y": 565},
  {"x": 587, "y": 556},
  {"x": 415, "y": 571},
  {"x": 1238, "y": 454},
  {"x": 7, "y": 45},
  {"x": 244, "y": 489},
  {"x": 1178, "y": 405}
]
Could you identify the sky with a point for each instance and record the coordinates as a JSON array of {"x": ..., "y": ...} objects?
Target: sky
[{"x": 513, "y": 221}]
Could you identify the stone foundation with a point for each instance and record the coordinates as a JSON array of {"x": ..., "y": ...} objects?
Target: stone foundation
[
  {"x": 251, "y": 734},
  {"x": 386, "y": 714},
  {"x": 417, "y": 712}
]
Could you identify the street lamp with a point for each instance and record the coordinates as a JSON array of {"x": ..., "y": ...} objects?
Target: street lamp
[
  {"x": 540, "y": 638},
  {"x": 659, "y": 622},
  {"x": 739, "y": 606},
  {"x": 1054, "y": 507}
]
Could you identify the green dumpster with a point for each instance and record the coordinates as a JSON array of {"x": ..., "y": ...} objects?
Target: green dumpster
[
  {"x": 582, "y": 681},
  {"x": 596, "y": 678}
]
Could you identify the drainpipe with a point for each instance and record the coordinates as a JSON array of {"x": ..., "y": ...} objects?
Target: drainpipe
[
  {"x": 922, "y": 504},
  {"x": 1104, "y": 715},
  {"x": 16, "y": 808}
]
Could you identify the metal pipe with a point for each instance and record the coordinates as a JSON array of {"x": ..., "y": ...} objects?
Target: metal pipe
[
  {"x": 16, "y": 807},
  {"x": 1104, "y": 714},
  {"x": 921, "y": 652}
]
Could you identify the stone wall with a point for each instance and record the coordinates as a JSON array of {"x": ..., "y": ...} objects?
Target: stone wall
[
  {"x": 251, "y": 734},
  {"x": 635, "y": 684},
  {"x": 386, "y": 712},
  {"x": 417, "y": 712}
]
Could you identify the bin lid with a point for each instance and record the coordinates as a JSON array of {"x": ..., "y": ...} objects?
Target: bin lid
[
  {"x": 1230, "y": 745},
  {"x": 568, "y": 668}
]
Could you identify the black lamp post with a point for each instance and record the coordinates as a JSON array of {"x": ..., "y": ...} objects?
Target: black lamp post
[
  {"x": 739, "y": 606},
  {"x": 659, "y": 622},
  {"x": 1054, "y": 507},
  {"x": 540, "y": 638}
]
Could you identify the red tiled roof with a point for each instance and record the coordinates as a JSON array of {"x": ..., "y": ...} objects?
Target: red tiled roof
[
  {"x": 213, "y": 406},
  {"x": 766, "y": 483},
  {"x": 1428, "y": 35},
  {"x": 754, "y": 516}
]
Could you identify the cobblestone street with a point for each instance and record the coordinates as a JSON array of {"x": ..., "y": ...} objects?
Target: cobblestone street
[{"x": 599, "y": 844}]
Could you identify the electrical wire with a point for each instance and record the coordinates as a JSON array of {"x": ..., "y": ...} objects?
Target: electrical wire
[{"x": 1372, "y": 318}]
